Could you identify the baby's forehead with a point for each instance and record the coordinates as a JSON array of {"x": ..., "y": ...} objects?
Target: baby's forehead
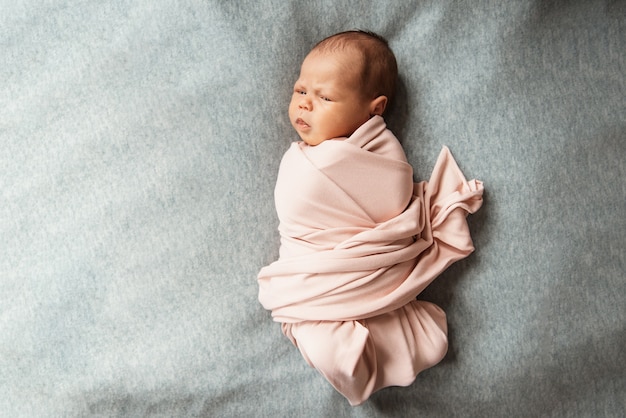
[
  {"x": 338, "y": 65},
  {"x": 350, "y": 60}
]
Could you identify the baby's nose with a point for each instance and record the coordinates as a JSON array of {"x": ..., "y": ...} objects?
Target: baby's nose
[{"x": 305, "y": 104}]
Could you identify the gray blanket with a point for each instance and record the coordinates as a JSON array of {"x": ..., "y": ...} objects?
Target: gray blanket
[{"x": 140, "y": 143}]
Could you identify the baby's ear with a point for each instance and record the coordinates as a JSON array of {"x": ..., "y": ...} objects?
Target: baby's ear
[{"x": 378, "y": 105}]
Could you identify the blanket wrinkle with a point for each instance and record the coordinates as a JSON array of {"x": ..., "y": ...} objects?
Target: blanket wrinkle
[{"x": 359, "y": 241}]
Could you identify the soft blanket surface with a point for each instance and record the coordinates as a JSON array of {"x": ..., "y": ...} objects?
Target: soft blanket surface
[
  {"x": 359, "y": 242},
  {"x": 139, "y": 147}
]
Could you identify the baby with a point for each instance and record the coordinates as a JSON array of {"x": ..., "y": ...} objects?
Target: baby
[{"x": 359, "y": 239}]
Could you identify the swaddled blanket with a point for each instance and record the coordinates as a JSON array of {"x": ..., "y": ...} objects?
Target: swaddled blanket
[{"x": 359, "y": 242}]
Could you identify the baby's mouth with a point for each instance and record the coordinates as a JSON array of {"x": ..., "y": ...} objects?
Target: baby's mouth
[{"x": 301, "y": 123}]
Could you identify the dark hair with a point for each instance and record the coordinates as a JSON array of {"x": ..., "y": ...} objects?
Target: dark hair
[{"x": 379, "y": 69}]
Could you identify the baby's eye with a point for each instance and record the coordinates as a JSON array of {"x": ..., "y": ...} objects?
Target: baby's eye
[
  {"x": 300, "y": 91},
  {"x": 324, "y": 98}
]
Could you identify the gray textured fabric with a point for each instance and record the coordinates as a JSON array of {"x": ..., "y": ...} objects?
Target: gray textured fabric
[{"x": 139, "y": 147}]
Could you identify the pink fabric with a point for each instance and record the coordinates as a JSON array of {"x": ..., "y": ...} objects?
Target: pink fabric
[{"x": 359, "y": 242}]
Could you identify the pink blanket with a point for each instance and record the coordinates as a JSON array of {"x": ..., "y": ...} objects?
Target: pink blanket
[{"x": 359, "y": 242}]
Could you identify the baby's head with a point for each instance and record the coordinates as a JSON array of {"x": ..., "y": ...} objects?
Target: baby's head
[{"x": 346, "y": 79}]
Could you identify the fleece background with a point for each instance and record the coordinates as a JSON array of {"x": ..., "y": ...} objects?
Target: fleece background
[{"x": 139, "y": 147}]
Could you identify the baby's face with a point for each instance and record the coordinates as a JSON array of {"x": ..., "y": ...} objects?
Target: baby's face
[{"x": 327, "y": 101}]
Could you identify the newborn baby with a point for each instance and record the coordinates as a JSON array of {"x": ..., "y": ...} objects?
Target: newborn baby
[{"x": 359, "y": 239}]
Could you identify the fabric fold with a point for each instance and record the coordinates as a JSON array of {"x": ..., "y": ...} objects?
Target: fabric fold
[{"x": 359, "y": 242}]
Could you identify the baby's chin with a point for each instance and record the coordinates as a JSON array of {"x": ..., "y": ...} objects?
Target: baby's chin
[{"x": 312, "y": 140}]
